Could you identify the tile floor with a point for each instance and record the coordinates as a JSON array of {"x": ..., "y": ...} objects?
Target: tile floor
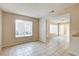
[
  {"x": 54, "y": 47},
  {"x": 33, "y": 49}
]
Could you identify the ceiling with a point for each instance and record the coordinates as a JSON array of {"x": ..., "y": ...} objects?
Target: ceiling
[
  {"x": 61, "y": 19},
  {"x": 36, "y": 10}
]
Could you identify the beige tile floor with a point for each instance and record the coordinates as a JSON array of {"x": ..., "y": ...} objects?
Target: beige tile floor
[
  {"x": 57, "y": 46},
  {"x": 34, "y": 49}
]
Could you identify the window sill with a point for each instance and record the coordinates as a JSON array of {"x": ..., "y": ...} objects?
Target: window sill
[{"x": 20, "y": 36}]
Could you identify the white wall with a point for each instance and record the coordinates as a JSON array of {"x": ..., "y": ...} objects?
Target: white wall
[
  {"x": 42, "y": 29},
  {"x": 74, "y": 27}
]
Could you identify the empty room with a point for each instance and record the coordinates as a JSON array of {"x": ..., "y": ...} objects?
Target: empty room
[{"x": 39, "y": 29}]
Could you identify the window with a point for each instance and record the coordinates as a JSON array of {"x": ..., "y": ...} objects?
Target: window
[
  {"x": 53, "y": 29},
  {"x": 23, "y": 28}
]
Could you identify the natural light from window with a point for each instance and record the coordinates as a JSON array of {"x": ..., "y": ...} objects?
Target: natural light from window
[
  {"x": 23, "y": 28},
  {"x": 54, "y": 29}
]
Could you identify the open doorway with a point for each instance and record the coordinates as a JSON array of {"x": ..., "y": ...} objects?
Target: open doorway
[
  {"x": 59, "y": 30},
  {"x": 64, "y": 33},
  {"x": 64, "y": 30}
]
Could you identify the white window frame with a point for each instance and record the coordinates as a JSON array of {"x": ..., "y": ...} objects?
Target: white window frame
[
  {"x": 54, "y": 29},
  {"x": 19, "y": 20}
]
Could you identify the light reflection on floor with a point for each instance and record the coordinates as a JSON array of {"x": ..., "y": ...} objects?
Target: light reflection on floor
[{"x": 36, "y": 49}]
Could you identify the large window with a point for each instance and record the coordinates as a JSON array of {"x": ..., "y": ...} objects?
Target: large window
[
  {"x": 54, "y": 29},
  {"x": 23, "y": 28}
]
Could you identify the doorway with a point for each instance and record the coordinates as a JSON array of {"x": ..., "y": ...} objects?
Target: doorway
[{"x": 64, "y": 34}]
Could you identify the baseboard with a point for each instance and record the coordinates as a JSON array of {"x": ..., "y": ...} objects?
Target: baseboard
[
  {"x": 9, "y": 45},
  {"x": 42, "y": 42}
]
